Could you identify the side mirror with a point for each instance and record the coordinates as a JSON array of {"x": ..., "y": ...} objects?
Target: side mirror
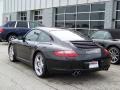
[{"x": 23, "y": 38}]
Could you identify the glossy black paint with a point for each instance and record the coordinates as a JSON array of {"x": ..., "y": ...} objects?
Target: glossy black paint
[{"x": 25, "y": 51}]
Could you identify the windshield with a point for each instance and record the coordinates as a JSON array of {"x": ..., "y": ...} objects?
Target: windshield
[{"x": 65, "y": 35}]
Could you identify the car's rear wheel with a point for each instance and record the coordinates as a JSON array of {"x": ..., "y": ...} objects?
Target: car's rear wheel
[
  {"x": 40, "y": 65},
  {"x": 115, "y": 54},
  {"x": 11, "y": 37},
  {"x": 11, "y": 54}
]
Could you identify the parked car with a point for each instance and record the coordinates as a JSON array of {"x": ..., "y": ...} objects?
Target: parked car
[
  {"x": 13, "y": 29},
  {"x": 52, "y": 49},
  {"x": 109, "y": 39}
]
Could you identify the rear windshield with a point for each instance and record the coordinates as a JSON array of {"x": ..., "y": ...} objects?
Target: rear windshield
[{"x": 65, "y": 35}]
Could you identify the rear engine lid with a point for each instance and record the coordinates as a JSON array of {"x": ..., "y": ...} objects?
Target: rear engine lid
[{"x": 87, "y": 50}]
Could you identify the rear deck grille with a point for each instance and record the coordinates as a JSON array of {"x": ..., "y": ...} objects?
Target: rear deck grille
[{"x": 84, "y": 44}]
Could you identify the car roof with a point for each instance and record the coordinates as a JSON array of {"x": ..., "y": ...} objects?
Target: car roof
[{"x": 48, "y": 29}]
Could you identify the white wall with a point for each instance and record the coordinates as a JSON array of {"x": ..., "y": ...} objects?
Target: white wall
[{"x": 22, "y": 5}]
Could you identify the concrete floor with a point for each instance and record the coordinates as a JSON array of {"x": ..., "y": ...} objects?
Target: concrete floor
[{"x": 18, "y": 76}]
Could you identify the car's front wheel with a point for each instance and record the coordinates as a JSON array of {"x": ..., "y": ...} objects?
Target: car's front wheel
[
  {"x": 11, "y": 54},
  {"x": 115, "y": 54},
  {"x": 40, "y": 65},
  {"x": 11, "y": 37}
]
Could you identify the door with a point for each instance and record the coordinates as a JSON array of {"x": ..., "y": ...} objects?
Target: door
[
  {"x": 26, "y": 47},
  {"x": 22, "y": 28}
]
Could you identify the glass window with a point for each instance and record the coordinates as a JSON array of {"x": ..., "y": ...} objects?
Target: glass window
[
  {"x": 82, "y": 24},
  {"x": 118, "y": 5},
  {"x": 44, "y": 37},
  {"x": 70, "y": 16},
  {"x": 83, "y": 8},
  {"x": 10, "y": 24},
  {"x": 66, "y": 35},
  {"x": 60, "y": 10},
  {"x": 23, "y": 16},
  {"x": 98, "y": 7},
  {"x": 32, "y": 35},
  {"x": 22, "y": 24},
  {"x": 38, "y": 15},
  {"x": 70, "y": 24},
  {"x": 83, "y": 16},
  {"x": 59, "y": 24},
  {"x": 97, "y": 24},
  {"x": 60, "y": 17},
  {"x": 97, "y": 16},
  {"x": 101, "y": 35},
  {"x": 71, "y": 9},
  {"x": 34, "y": 24},
  {"x": 117, "y": 26},
  {"x": 118, "y": 15}
]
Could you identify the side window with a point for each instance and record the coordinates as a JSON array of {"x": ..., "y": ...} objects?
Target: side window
[
  {"x": 101, "y": 35},
  {"x": 33, "y": 35},
  {"x": 44, "y": 37},
  {"x": 10, "y": 24},
  {"x": 22, "y": 24}
]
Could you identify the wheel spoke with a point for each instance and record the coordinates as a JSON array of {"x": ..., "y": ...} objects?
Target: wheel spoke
[
  {"x": 115, "y": 54},
  {"x": 39, "y": 65}
]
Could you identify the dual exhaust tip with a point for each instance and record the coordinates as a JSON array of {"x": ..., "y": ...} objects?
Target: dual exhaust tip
[{"x": 76, "y": 73}]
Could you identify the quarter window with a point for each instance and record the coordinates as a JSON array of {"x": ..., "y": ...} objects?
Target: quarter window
[
  {"x": 44, "y": 37},
  {"x": 22, "y": 24}
]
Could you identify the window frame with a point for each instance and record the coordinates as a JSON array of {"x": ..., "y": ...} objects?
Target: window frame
[
  {"x": 22, "y": 27},
  {"x": 77, "y": 13}
]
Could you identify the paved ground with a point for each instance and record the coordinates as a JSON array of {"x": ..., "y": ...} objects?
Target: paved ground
[{"x": 18, "y": 76}]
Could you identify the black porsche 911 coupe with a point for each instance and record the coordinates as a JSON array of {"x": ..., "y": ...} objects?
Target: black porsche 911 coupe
[
  {"x": 52, "y": 49},
  {"x": 109, "y": 39}
]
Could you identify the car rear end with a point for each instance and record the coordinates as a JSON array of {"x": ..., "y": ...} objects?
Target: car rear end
[
  {"x": 88, "y": 57},
  {"x": 2, "y": 34},
  {"x": 78, "y": 55}
]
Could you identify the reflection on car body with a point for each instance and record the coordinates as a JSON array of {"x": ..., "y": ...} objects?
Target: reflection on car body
[{"x": 52, "y": 49}]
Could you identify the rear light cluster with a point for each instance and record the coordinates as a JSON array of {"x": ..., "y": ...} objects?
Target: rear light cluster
[
  {"x": 1, "y": 30},
  {"x": 69, "y": 54},
  {"x": 106, "y": 52}
]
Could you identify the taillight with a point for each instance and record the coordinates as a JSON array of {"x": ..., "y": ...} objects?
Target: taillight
[
  {"x": 1, "y": 30},
  {"x": 106, "y": 52},
  {"x": 65, "y": 53}
]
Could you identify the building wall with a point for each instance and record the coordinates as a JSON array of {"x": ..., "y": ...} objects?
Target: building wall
[{"x": 23, "y": 5}]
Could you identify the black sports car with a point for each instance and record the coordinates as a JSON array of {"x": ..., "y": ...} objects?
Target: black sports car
[
  {"x": 110, "y": 39},
  {"x": 52, "y": 49}
]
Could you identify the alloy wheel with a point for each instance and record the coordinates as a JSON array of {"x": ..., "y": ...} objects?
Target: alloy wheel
[
  {"x": 39, "y": 65},
  {"x": 115, "y": 54},
  {"x": 11, "y": 53},
  {"x": 11, "y": 37}
]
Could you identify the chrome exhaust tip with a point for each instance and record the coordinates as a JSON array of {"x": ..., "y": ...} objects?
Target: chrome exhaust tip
[{"x": 76, "y": 73}]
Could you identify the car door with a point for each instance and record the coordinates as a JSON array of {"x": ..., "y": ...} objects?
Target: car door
[
  {"x": 22, "y": 28},
  {"x": 25, "y": 47}
]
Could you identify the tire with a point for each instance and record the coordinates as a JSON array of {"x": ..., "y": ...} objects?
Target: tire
[
  {"x": 11, "y": 37},
  {"x": 40, "y": 65},
  {"x": 115, "y": 54},
  {"x": 11, "y": 54}
]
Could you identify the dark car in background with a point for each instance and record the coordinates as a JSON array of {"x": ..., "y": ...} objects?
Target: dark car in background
[
  {"x": 14, "y": 29},
  {"x": 52, "y": 49},
  {"x": 109, "y": 39}
]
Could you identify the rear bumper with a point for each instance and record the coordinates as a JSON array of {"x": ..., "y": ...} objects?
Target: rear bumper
[{"x": 58, "y": 65}]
